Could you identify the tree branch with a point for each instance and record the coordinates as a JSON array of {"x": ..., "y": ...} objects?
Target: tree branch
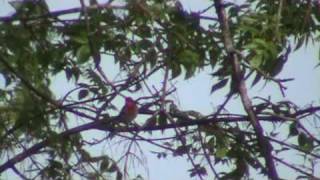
[
  {"x": 103, "y": 126},
  {"x": 265, "y": 146},
  {"x": 295, "y": 168},
  {"x": 35, "y": 148},
  {"x": 106, "y": 5}
]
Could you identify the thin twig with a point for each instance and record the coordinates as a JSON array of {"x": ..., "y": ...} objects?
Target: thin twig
[
  {"x": 164, "y": 89},
  {"x": 206, "y": 155},
  {"x": 295, "y": 168},
  {"x": 19, "y": 173}
]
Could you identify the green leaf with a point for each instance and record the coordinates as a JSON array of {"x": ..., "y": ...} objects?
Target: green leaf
[
  {"x": 305, "y": 142},
  {"x": 122, "y": 55},
  {"x": 300, "y": 42},
  {"x": 83, "y": 53},
  {"x": 150, "y": 122},
  {"x": 144, "y": 31},
  {"x": 54, "y": 170},
  {"x": 56, "y": 164},
  {"x": 219, "y": 85},
  {"x": 176, "y": 70},
  {"x": 104, "y": 165},
  {"x": 256, "y": 79},
  {"x": 145, "y": 44},
  {"x": 151, "y": 56},
  {"x": 16, "y": 4},
  {"x": 72, "y": 72},
  {"x": 83, "y": 39},
  {"x": 190, "y": 72},
  {"x": 257, "y": 60},
  {"x": 188, "y": 58},
  {"x": 162, "y": 119},
  {"x": 293, "y": 131},
  {"x": 139, "y": 177},
  {"x": 302, "y": 139},
  {"x": 85, "y": 156},
  {"x": 83, "y": 93},
  {"x": 221, "y": 152},
  {"x": 211, "y": 144},
  {"x": 181, "y": 150}
]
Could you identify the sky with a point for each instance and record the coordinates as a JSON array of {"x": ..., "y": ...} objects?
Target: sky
[{"x": 195, "y": 92}]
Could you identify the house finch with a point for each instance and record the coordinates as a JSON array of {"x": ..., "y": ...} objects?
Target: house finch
[{"x": 129, "y": 111}]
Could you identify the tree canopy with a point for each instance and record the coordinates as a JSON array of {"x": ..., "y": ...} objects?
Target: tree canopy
[{"x": 240, "y": 45}]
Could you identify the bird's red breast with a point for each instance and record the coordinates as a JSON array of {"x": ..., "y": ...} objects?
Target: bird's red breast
[
  {"x": 131, "y": 106},
  {"x": 129, "y": 111}
]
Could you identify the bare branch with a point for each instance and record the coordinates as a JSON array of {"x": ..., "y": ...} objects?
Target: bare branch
[{"x": 295, "y": 168}]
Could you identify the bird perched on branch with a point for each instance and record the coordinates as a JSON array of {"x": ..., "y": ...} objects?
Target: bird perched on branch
[{"x": 129, "y": 111}]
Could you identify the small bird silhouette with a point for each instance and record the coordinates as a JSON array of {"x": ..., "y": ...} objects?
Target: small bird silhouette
[{"x": 129, "y": 111}]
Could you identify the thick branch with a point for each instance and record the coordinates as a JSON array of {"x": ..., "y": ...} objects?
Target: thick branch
[
  {"x": 63, "y": 12},
  {"x": 265, "y": 146},
  {"x": 35, "y": 149},
  {"x": 103, "y": 126}
]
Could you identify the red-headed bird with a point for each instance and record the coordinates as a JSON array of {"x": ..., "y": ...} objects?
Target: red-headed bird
[{"x": 129, "y": 111}]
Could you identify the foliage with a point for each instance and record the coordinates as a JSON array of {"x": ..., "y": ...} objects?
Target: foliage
[{"x": 144, "y": 38}]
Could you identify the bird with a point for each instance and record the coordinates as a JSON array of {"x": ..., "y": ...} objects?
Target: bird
[{"x": 129, "y": 111}]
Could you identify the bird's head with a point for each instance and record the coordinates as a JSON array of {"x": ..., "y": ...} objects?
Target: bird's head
[{"x": 129, "y": 102}]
